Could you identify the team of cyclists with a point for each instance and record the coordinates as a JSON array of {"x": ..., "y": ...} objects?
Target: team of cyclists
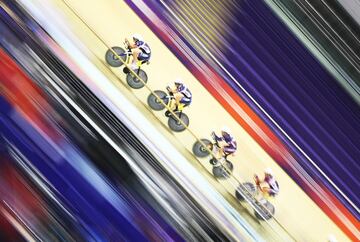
[{"x": 182, "y": 95}]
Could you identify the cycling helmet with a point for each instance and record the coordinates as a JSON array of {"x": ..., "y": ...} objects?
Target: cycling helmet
[
  {"x": 179, "y": 82},
  {"x": 225, "y": 130},
  {"x": 269, "y": 171},
  {"x": 137, "y": 37},
  {"x": 332, "y": 238}
]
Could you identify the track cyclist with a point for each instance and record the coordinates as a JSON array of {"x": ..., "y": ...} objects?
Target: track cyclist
[
  {"x": 140, "y": 50},
  {"x": 269, "y": 186},
  {"x": 226, "y": 143},
  {"x": 182, "y": 96}
]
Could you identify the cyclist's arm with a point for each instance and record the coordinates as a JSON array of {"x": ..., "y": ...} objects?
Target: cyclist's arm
[
  {"x": 130, "y": 45},
  {"x": 216, "y": 138},
  {"x": 173, "y": 90},
  {"x": 258, "y": 181}
]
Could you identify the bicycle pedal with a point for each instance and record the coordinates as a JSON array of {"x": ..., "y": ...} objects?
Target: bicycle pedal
[
  {"x": 213, "y": 161},
  {"x": 168, "y": 113}
]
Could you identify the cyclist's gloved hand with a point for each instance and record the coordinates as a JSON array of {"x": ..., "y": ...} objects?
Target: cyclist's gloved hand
[{"x": 257, "y": 180}]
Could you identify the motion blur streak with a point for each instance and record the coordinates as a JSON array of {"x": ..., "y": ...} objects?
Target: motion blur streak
[
  {"x": 328, "y": 31},
  {"x": 76, "y": 188},
  {"x": 82, "y": 156}
]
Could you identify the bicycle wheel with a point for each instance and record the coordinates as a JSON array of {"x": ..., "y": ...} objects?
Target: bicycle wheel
[
  {"x": 112, "y": 59},
  {"x": 223, "y": 172},
  {"x": 266, "y": 210},
  {"x": 176, "y": 125},
  {"x": 199, "y": 150},
  {"x": 247, "y": 189},
  {"x": 135, "y": 82},
  {"x": 154, "y": 101}
]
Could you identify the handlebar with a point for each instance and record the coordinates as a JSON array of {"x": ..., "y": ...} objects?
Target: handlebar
[{"x": 171, "y": 94}]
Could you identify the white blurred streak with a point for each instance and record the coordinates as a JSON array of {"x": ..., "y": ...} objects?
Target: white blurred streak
[{"x": 352, "y": 7}]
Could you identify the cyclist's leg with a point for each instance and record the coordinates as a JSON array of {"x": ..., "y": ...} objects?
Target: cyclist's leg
[
  {"x": 143, "y": 56},
  {"x": 228, "y": 150},
  {"x": 266, "y": 192},
  {"x": 172, "y": 104},
  {"x": 220, "y": 153},
  {"x": 178, "y": 97},
  {"x": 135, "y": 53},
  {"x": 185, "y": 102}
]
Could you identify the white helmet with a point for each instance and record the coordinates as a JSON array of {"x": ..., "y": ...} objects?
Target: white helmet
[
  {"x": 178, "y": 81},
  {"x": 269, "y": 171},
  {"x": 225, "y": 129},
  {"x": 137, "y": 37},
  {"x": 332, "y": 238}
]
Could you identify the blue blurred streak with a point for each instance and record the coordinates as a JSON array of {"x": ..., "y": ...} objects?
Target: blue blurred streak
[{"x": 85, "y": 201}]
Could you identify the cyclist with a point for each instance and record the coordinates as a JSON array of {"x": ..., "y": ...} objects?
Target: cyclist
[
  {"x": 182, "y": 96},
  {"x": 268, "y": 185},
  {"x": 140, "y": 50},
  {"x": 226, "y": 143}
]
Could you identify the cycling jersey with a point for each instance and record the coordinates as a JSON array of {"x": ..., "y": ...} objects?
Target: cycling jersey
[
  {"x": 273, "y": 185},
  {"x": 145, "y": 50},
  {"x": 230, "y": 146},
  {"x": 144, "y": 47},
  {"x": 187, "y": 96}
]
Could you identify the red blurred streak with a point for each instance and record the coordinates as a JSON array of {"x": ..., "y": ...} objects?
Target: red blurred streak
[
  {"x": 23, "y": 94},
  {"x": 18, "y": 194},
  {"x": 7, "y": 231}
]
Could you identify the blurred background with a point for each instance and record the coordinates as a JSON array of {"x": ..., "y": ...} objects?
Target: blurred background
[{"x": 85, "y": 157}]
